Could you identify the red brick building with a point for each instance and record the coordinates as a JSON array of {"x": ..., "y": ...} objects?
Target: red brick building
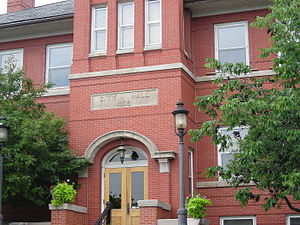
[{"x": 119, "y": 68}]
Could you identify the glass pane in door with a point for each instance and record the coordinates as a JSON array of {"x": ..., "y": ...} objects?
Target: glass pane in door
[
  {"x": 115, "y": 190},
  {"x": 137, "y": 188}
]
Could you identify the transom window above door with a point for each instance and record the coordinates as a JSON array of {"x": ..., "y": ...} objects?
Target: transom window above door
[{"x": 133, "y": 157}]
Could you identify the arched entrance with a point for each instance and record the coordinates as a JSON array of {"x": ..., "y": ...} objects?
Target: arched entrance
[{"x": 125, "y": 184}]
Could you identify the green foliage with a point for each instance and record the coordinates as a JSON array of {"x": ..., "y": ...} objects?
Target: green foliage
[
  {"x": 269, "y": 155},
  {"x": 63, "y": 193},
  {"x": 36, "y": 155},
  {"x": 196, "y": 206}
]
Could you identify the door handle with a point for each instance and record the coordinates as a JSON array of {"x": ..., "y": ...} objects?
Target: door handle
[{"x": 128, "y": 208}]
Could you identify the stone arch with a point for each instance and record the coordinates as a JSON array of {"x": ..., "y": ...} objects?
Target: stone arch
[{"x": 102, "y": 140}]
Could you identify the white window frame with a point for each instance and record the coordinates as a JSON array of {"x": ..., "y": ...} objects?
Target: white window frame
[
  {"x": 70, "y": 44},
  {"x": 191, "y": 168},
  {"x": 232, "y": 24},
  {"x": 120, "y": 27},
  {"x": 222, "y": 219},
  {"x": 288, "y": 217},
  {"x": 149, "y": 46},
  {"x": 94, "y": 30},
  {"x": 14, "y": 51}
]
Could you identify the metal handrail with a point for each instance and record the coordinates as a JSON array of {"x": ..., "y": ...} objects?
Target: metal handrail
[{"x": 105, "y": 217}]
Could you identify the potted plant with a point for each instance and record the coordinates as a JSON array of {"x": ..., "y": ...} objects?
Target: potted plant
[
  {"x": 63, "y": 193},
  {"x": 196, "y": 207}
]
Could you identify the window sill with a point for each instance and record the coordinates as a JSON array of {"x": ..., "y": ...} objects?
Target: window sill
[
  {"x": 152, "y": 47},
  {"x": 124, "y": 51},
  {"x": 97, "y": 54},
  {"x": 216, "y": 184},
  {"x": 57, "y": 91}
]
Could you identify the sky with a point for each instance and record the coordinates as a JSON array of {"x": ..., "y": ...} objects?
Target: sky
[{"x": 3, "y": 4}]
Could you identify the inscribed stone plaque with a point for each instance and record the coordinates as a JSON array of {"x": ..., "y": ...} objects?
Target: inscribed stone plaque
[{"x": 124, "y": 99}]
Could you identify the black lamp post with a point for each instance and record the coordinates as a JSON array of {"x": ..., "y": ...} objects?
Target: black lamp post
[
  {"x": 3, "y": 139},
  {"x": 180, "y": 115}
]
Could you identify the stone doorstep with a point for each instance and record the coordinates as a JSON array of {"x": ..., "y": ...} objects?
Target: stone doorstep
[{"x": 30, "y": 223}]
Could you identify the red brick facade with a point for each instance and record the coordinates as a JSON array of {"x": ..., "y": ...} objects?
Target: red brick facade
[{"x": 189, "y": 46}]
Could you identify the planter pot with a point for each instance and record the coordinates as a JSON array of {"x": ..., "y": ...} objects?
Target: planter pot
[{"x": 202, "y": 221}]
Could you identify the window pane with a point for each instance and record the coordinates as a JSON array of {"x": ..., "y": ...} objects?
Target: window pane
[
  {"x": 60, "y": 56},
  {"x": 154, "y": 11},
  {"x": 137, "y": 185},
  {"x": 226, "y": 158},
  {"x": 127, "y": 14},
  {"x": 100, "y": 18},
  {"x": 115, "y": 195},
  {"x": 239, "y": 222},
  {"x": 16, "y": 58},
  {"x": 101, "y": 40},
  {"x": 295, "y": 221},
  {"x": 230, "y": 37},
  {"x": 232, "y": 55},
  {"x": 154, "y": 34},
  {"x": 59, "y": 76},
  {"x": 127, "y": 37}
]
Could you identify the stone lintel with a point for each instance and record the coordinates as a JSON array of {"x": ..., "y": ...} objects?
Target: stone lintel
[{"x": 154, "y": 203}]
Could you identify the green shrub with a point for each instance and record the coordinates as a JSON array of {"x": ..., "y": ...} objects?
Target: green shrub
[
  {"x": 196, "y": 206},
  {"x": 63, "y": 193}
]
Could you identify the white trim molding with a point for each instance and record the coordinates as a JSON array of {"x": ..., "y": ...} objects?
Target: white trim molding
[
  {"x": 144, "y": 69},
  {"x": 141, "y": 69},
  {"x": 291, "y": 216},
  {"x": 154, "y": 203}
]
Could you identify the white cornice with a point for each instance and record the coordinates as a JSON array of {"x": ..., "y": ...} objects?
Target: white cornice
[
  {"x": 144, "y": 69},
  {"x": 141, "y": 69}
]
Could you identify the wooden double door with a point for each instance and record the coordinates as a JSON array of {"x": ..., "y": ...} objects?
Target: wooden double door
[{"x": 123, "y": 188}]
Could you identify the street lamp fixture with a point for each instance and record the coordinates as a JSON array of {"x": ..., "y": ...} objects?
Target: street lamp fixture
[
  {"x": 3, "y": 139},
  {"x": 121, "y": 150},
  {"x": 180, "y": 119}
]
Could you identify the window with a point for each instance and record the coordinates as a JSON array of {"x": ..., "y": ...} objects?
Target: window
[
  {"x": 224, "y": 157},
  {"x": 58, "y": 65},
  {"x": 153, "y": 23},
  {"x": 99, "y": 29},
  {"x": 126, "y": 26},
  {"x": 190, "y": 167},
  {"x": 231, "y": 42},
  {"x": 15, "y": 55},
  {"x": 293, "y": 219},
  {"x": 244, "y": 220}
]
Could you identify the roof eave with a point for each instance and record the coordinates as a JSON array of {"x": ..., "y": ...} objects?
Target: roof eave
[{"x": 39, "y": 20}]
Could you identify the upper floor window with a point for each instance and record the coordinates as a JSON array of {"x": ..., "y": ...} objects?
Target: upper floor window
[
  {"x": 293, "y": 219},
  {"x": 243, "y": 220},
  {"x": 15, "y": 55},
  {"x": 58, "y": 65},
  {"x": 126, "y": 25},
  {"x": 153, "y": 23},
  {"x": 224, "y": 157},
  {"x": 231, "y": 42},
  {"x": 99, "y": 29}
]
